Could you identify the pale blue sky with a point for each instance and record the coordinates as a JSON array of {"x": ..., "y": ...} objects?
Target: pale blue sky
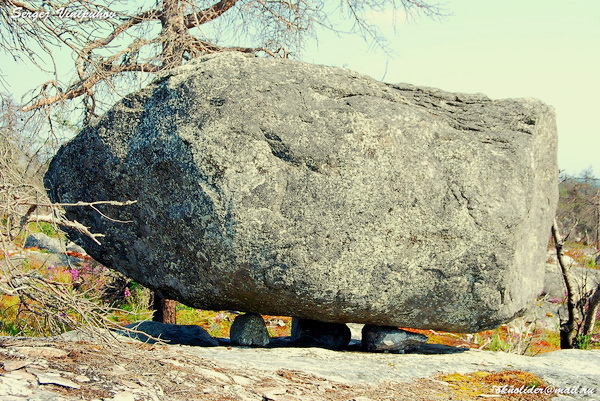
[{"x": 547, "y": 49}]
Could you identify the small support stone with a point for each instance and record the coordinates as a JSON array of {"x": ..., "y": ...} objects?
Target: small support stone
[
  {"x": 249, "y": 330},
  {"x": 390, "y": 339}
]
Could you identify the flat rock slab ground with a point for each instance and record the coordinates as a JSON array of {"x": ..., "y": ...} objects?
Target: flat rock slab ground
[{"x": 50, "y": 369}]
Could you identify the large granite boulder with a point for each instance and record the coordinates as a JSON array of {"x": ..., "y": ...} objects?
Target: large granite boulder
[{"x": 285, "y": 188}]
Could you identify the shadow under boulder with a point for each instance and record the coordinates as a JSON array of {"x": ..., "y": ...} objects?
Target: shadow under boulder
[
  {"x": 312, "y": 333},
  {"x": 249, "y": 330},
  {"x": 152, "y": 332}
]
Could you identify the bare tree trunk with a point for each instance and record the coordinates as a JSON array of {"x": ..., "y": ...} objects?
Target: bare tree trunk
[
  {"x": 567, "y": 329},
  {"x": 174, "y": 34},
  {"x": 598, "y": 219},
  {"x": 172, "y": 38},
  {"x": 590, "y": 316},
  {"x": 164, "y": 309}
]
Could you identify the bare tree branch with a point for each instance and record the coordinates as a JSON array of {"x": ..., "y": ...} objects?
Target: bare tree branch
[
  {"x": 102, "y": 54},
  {"x": 75, "y": 225},
  {"x": 20, "y": 5},
  {"x": 208, "y": 14},
  {"x": 85, "y": 86},
  {"x": 129, "y": 23}
]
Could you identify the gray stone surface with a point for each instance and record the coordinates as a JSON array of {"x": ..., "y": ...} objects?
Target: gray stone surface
[
  {"x": 245, "y": 373},
  {"x": 313, "y": 333},
  {"x": 551, "y": 308},
  {"x": 285, "y": 188},
  {"x": 151, "y": 332},
  {"x": 390, "y": 339},
  {"x": 250, "y": 330},
  {"x": 44, "y": 258},
  {"x": 42, "y": 241},
  {"x": 73, "y": 247},
  {"x": 583, "y": 280},
  {"x": 563, "y": 369}
]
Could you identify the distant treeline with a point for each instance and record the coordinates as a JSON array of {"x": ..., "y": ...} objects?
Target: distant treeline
[{"x": 579, "y": 207}]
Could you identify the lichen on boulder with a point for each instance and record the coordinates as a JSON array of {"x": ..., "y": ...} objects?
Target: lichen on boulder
[{"x": 286, "y": 188}]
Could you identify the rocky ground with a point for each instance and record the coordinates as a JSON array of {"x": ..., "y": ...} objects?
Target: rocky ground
[
  {"x": 73, "y": 367},
  {"x": 66, "y": 369}
]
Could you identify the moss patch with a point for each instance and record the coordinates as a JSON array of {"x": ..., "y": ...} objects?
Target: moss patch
[{"x": 481, "y": 384}]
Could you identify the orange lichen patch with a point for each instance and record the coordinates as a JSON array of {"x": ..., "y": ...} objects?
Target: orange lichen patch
[
  {"x": 501, "y": 339},
  {"x": 515, "y": 378},
  {"x": 453, "y": 340},
  {"x": 445, "y": 338},
  {"x": 505, "y": 385},
  {"x": 578, "y": 255},
  {"x": 420, "y": 331},
  {"x": 278, "y": 326},
  {"x": 78, "y": 255},
  {"x": 549, "y": 341}
]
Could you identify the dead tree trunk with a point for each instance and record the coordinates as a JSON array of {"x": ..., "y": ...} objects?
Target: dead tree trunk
[
  {"x": 568, "y": 329},
  {"x": 164, "y": 309},
  {"x": 590, "y": 315},
  {"x": 173, "y": 38},
  {"x": 597, "y": 200}
]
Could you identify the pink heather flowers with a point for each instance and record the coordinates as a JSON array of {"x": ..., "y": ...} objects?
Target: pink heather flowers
[
  {"x": 219, "y": 317},
  {"x": 86, "y": 268}
]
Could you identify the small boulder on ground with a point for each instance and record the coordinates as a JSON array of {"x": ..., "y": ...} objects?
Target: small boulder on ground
[
  {"x": 250, "y": 330},
  {"x": 312, "y": 333},
  {"x": 390, "y": 339},
  {"x": 42, "y": 241},
  {"x": 73, "y": 247}
]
